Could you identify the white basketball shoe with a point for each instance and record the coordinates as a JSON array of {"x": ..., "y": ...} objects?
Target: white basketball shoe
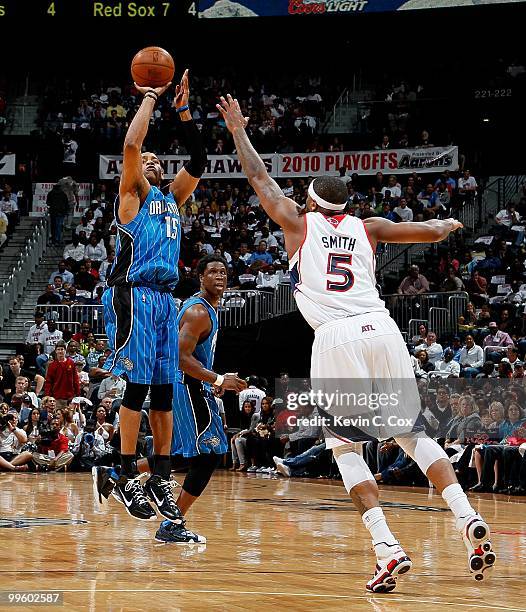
[
  {"x": 476, "y": 535},
  {"x": 387, "y": 571}
]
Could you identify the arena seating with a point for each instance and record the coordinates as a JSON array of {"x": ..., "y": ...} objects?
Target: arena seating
[{"x": 475, "y": 279}]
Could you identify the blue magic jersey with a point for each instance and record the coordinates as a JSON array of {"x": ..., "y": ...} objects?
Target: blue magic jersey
[
  {"x": 197, "y": 423},
  {"x": 205, "y": 350},
  {"x": 147, "y": 248}
]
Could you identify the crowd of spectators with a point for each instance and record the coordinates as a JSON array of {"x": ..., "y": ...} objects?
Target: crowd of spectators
[
  {"x": 226, "y": 218},
  {"x": 481, "y": 425},
  {"x": 285, "y": 117},
  {"x": 69, "y": 417},
  {"x": 68, "y": 414}
]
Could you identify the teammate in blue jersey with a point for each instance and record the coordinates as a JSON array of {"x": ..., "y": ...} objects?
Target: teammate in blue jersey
[
  {"x": 139, "y": 310},
  {"x": 198, "y": 435}
]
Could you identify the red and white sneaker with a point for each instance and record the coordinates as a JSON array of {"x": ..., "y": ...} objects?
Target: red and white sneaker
[
  {"x": 476, "y": 535},
  {"x": 387, "y": 570}
]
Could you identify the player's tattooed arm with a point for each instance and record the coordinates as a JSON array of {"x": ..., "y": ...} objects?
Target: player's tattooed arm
[
  {"x": 278, "y": 207},
  {"x": 383, "y": 230},
  {"x": 134, "y": 187}
]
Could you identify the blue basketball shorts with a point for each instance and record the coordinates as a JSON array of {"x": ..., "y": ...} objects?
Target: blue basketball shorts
[
  {"x": 197, "y": 425},
  {"x": 141, "y": 325}
]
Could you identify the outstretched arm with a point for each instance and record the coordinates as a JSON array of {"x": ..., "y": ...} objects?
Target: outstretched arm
[
  {"x": 278, "y": 207},
  {"x": 383, "y": 230},
  {"x": 186, "y": 180},
  {"x": 133, "y": 187}
]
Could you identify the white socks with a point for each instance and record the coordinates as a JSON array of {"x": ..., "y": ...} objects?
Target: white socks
[
  {"x": 458, "y": 502},
  {"x": 384, "y": 541}
]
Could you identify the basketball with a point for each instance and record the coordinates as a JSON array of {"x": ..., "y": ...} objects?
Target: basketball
[{"x": 152, "y": 67}]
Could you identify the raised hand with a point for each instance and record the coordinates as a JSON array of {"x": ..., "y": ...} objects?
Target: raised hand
[
  {"x": 182, "y": 92},
  {"x": 232, "y": 114}
]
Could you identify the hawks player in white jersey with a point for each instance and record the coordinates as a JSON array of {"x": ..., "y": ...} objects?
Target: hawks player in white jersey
[{"x": 332, "y": 261}]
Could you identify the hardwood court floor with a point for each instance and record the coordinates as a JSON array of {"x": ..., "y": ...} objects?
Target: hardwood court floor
[{"x": 287, "y": 544}]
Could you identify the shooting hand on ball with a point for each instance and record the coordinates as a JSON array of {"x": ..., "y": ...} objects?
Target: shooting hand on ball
[
  {"x": 232, "y": 114},
  {"x": 158, "y": 90}
]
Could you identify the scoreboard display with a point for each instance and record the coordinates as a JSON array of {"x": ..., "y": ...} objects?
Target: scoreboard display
[{"x": 214, "y": 9}]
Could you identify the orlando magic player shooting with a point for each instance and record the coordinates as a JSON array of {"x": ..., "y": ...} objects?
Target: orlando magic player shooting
[
  {"x": 331, "y": 256},
  {"x": 139, "y": 310},
  {"x": 198, "y": 434}
]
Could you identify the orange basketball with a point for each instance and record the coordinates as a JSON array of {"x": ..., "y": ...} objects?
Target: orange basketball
[{"x": 152, "y": 67}]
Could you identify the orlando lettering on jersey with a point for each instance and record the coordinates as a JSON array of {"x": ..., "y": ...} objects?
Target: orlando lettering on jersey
[
  {"x": 147, "y": 248},
  {"x": 160, "y": 207}
]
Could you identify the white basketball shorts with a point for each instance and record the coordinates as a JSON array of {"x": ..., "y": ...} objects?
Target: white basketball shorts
[{"x": 366, "y": 347}]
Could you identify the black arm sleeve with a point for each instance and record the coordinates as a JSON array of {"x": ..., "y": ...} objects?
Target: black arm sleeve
[{"x": 196, "y": 165}]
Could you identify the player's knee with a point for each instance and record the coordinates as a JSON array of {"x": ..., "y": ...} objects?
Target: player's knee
[
  {"x": 352, "y": 467},
  {"x": 422, "y": 449},
  {"x": 134, "y": 396},
  {"x": 201, "y": 469},
  {"x": 161, "y": 397}
]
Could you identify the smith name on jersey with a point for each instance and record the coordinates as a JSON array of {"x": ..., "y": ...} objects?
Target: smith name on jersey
[
  {"x": 333, "y": 271},
  {"x": 147, "y": 248}
]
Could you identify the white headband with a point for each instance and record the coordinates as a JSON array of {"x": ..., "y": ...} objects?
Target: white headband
[{"x": 323, "y": 203}]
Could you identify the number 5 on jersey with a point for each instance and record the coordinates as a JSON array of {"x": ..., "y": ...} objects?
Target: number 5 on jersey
[
  {"x": 172, "y": 227},
  {"x": 339, "y": 265}
]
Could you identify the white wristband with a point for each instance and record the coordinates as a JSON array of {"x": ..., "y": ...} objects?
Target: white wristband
[{"x": 219, "y": 380}]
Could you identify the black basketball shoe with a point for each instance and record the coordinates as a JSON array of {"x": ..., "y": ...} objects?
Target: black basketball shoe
[
  {"x": 176, "y": 533},
  {"x": 160, "y": 492},
  {"x": 104, "y": 479},
  {"x": 130, "y": 493}
]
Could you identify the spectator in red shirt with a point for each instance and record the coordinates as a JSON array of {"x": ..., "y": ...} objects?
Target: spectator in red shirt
[
  {"x": 90, "y": 270},
  {"x": 82, "y": 336},
  {"x": 57, "y": 443},
  {"x": 62, "y": 379}
]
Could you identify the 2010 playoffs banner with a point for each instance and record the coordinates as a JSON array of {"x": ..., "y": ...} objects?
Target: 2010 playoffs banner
[{"x": 391, "y": 161}]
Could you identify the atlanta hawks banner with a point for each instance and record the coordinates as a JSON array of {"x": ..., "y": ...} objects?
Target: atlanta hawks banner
[{"x": 395, "y": 161}]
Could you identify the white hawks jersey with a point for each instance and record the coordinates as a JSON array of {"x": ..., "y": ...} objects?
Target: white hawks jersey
[{"x": 333, "y": 271}]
